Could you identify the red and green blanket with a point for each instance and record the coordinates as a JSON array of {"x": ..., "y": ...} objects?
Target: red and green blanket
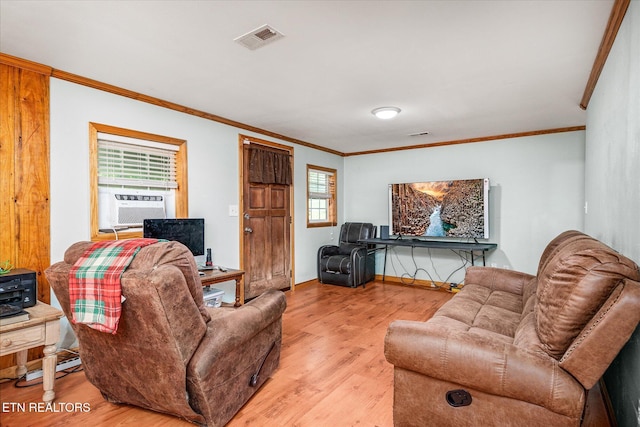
[{"x": 94, "y": 282}]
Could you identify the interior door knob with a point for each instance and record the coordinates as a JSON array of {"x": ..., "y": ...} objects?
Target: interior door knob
[{"x": 248, "y": 230}]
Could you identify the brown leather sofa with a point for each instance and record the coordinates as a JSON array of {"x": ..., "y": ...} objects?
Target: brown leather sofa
[
  {"x": 515, "y": 349},
  {"x": 171, "y": 353}
]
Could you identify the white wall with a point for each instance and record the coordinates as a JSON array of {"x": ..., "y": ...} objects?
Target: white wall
[
  {"x": 612, "y": 187},
  {"x": 536, "y": 181},
  {"x": 536, "y": 193},
  {"x": 212, "y": 164}
]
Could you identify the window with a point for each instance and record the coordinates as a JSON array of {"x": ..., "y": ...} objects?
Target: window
[
  {"x": 134, "y": 175},
  {"x": 321, "y": 196}
]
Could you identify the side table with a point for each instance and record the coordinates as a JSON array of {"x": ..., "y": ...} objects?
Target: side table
[
  {"x": 211, "y": 277},
  {"x": 42, "y": 328}
]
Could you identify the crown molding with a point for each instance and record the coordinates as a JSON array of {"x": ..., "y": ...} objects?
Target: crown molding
[
  {"x": 74, "y": 78},
  {"x": 618, "y": 11},
  {"x": 471, "y": 140}
]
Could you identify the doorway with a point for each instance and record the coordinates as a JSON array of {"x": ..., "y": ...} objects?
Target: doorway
[{"x": 266, "y": 221}]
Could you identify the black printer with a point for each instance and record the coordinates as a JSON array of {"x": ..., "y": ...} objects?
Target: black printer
[{"x": 18, "y": 289}]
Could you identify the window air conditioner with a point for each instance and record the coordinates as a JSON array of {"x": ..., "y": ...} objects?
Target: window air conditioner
[{"x": 129, "y": 210}]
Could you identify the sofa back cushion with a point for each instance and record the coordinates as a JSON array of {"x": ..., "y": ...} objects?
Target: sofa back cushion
[
  {"x": 577, "y": 277},
  {"x": 557, "y": 244}
]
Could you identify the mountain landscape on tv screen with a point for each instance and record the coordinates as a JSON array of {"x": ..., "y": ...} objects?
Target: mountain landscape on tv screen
[{"x": 439, "y": 208}]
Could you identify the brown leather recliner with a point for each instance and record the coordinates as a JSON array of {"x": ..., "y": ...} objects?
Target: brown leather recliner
[
  {"x": 515, "y": 349},
  {"x": 171, "y": 353}
]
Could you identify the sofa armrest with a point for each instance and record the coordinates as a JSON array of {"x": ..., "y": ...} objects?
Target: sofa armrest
[
  {"x": 478, "y": 363},
  {"x": 498, "y": 279}
]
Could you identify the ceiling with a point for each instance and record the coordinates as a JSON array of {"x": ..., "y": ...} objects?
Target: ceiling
[{"x": 456, "y": 69}]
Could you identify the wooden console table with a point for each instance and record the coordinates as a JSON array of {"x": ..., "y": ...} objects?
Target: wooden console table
[
  {"x": 42, "y": 328},
  {"x": 470, "y": 247},
  {"x": 211, "y": 277}
]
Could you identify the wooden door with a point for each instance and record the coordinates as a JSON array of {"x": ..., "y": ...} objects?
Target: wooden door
[{"x": 266, "y": 228}]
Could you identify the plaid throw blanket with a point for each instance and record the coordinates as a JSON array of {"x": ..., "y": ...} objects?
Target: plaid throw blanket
[{"x": 94, "y": 282}]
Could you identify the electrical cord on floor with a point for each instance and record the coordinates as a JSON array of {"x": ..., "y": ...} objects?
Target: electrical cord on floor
[
  {"x": 22, "y": 379},
  {"x": 465, "y": 261},
  {"x": 433, "y": 266},
  {"x": 22, "y": 383},
  {"x": 434, "y": 284},
  {"x": 413, "y": 277}
]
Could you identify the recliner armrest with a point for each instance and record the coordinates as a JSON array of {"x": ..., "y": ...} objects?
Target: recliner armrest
[
  {"x": 240, "y": 350},
  {"x": 361, "y": 252},
  {"x": 328, "y": 250},
  {"x": 476, "y": 362},
  {"x": 231, "y": 328}
]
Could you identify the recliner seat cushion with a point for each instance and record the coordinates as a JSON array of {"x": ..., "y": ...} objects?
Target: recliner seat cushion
[{"x": 336, "y": 264}]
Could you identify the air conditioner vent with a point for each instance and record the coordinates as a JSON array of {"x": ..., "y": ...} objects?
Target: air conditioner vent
[
  {"x": 130, "y": 210},
  {"x": 265, "y": 34},
  {"x": 259, "y": 37}
]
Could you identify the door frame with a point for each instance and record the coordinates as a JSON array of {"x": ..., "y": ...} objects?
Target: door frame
[{"x": 242, "y": 140}]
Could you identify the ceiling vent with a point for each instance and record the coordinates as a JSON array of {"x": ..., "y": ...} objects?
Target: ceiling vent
[{"x": 259, "y": 37}]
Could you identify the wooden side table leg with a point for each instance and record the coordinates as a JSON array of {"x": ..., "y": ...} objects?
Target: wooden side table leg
[
  {"x": 239, "y": 293},
  {"x": 49, "y": 363},
  {"x": 21, "y": 359}
]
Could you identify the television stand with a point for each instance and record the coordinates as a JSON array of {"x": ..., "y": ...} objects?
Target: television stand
[{"x": 471, "y": 247}]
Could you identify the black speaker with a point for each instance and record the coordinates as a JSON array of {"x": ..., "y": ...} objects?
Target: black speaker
[{"x": 384, "y": 231}]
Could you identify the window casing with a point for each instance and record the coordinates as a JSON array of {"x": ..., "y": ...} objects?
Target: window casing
[
  {"x": 131, "y": 162},
  {"x": 321, "y": 196}
]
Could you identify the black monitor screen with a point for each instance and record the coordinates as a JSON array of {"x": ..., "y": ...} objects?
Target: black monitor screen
[{"x": 188, "y": 231}]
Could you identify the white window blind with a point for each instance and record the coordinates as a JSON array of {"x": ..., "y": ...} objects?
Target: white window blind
[
  {"x": 320, "y": 190},
  {"x": 150, "y": 165},
  {"x": 319, "y": 184}
]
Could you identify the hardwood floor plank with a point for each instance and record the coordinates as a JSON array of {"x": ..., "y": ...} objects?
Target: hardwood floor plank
[{"x": 332, "y": 367}]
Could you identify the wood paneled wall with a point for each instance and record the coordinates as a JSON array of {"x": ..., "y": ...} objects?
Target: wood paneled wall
[{"x": 24, "y": 175}]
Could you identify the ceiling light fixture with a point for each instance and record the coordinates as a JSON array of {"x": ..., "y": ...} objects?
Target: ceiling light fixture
[{"x": 385, "y": 112}]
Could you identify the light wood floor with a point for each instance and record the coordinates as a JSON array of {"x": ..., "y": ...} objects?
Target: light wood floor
[{"x": 332, "y": 370}]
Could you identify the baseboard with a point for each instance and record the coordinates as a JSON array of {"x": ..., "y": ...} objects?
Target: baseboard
[
  {"x": 306, "y": 283},
  {"x": 428, "y": 284}
]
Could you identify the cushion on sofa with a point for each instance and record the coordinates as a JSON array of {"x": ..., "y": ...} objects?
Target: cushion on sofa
[{"x": 573, "y": 285}]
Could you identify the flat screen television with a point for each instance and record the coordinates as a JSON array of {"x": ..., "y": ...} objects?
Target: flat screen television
[
  {"x": 188, "y": 231},
  {"x": 454, "y": 208}
]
